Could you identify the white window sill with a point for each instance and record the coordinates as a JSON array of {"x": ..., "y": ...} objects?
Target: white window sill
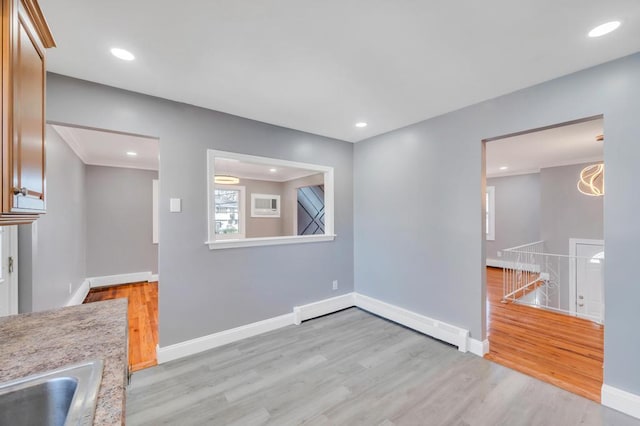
[{"x": 268, "y": 241}]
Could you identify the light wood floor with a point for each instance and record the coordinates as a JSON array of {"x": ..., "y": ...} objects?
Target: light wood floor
[
  {"x": 143, "y": 319},
  {"x": 350, "y": 368},
  {"x": 559, "y": 349}
]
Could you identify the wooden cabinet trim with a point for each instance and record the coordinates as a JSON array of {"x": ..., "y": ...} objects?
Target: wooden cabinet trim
[
  {"x": 17, "y": 14},
  {"x": 39, "y": 22}
]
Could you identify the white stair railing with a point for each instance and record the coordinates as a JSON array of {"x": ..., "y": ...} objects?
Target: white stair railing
[{"x": 533, "y": 277}]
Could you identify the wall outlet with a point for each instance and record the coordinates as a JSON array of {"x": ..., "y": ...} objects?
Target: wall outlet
[
  {"x": 335, "y": 284},
  {"x": 70, "y": 288},
  {"x": 499, "y": 253}
]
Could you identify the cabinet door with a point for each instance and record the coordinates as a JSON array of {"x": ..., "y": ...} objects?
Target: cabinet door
[{"x": 28, "y": 117}]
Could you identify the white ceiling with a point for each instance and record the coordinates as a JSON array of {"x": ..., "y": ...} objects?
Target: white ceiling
[
  {"x": 560, "y": 146},
  {"x": 100, "y": 148},
  {"x": 321, "y": 66},
  {"x": 247, "y": 170}
]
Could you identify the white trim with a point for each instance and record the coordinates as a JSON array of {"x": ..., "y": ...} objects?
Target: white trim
[
  {"x": 12, "y": 277},
  {"x": 328, "y": 191},
  {"x": 154, "y": 277},
  {"x": 323, "y": 307},
  {"x": 626, "y": 402},
  {"x": 200, "y": 344},
  {"x": 478, "y": 347},
  {"x": 268, "y": 241},
  {"x": 497, "y": 263},
  {"x": 490, "y": 211},
  {"x": 546, "y": 166},
  {"x": 80, "y": 294},
  {"x": 154, "y": 210},
  {"x": 119, "y": 279},
  {"x": 242, "y": 212},
  {"x": 266, "y": 160},
  {"x": 434, "y": 328},
  {"x": 69, "y": 137}
]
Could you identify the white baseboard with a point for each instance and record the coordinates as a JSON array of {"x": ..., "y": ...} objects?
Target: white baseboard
[
  {"x": 498, "y": 263},
  {"x": 626, "y": 402},
  {"x": 434, "y": 328},
  {"x": 323, "y": 307},
  {"x": 200, "y": 344},
  {"x": 119, "y": 279},
  {"x": 440, "y": 330},
  {"x": 154, "y": 278},
  {"x": 80, "y": 294},
  {"x": 478, "y": 347}
]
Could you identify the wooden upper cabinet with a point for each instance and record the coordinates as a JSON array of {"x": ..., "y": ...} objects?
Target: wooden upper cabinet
[{"x": 25, "y": 36}]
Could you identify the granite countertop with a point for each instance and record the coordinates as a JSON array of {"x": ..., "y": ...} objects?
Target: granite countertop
[{"x": 42, "y": 341}]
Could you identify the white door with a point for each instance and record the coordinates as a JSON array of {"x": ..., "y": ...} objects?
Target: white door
[
  {"x": 8, "y": 271},
  {"x": 590, "y": 281}
]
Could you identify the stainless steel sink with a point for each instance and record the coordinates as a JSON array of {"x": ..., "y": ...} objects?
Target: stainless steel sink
[{"x": 66, "y": 396}]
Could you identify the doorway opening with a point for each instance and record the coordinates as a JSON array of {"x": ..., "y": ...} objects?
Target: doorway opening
[
  {"x": 545, "y": 253},
  {"x": 120, "y": 187}
]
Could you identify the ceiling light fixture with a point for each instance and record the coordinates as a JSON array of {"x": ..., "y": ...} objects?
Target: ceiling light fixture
[
  {"x": 504, "y": 168},
  {"x": 361, "y": 124},
  {"x": 226, "y": 180},
  {"x": 591, "y": 180},
  {"x": 132, "y": 153},
  {"x": 125, "y": 55},
  {"x": 603, "y": 29}
]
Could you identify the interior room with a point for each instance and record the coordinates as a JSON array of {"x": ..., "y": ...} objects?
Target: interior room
[
  {"x": 337, "y": 213},
  {"x": 545, "y": 254}
]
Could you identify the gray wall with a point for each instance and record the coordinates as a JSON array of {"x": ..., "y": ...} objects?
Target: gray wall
[
  {"x": 119, "y": 225},
  {"x": 262, "y": 226},
  {"x": 52, "y": 250},
  {"x": 203, "y": 291},
  {"x": 432, "y": 259},
  {"x": 565, "y": 212},
  {"x": 517, "y": 212}
]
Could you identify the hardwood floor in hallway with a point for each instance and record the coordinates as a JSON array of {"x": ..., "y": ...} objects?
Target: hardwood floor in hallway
[
  {"x": 559, "y": 349},
  {"x": 143, "y": 319}
]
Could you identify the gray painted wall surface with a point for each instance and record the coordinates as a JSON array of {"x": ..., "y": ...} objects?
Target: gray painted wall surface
[
  {"x": 566, "y": 213},
  {"x": 517, "y": 212},
  {"x": 52, "y": 249},
  {"x": 431, "y": 260},
  {"x": 204, "y": 291},
  {"x": 119, "y": 225},
  {"x": 262, "y": 226}
]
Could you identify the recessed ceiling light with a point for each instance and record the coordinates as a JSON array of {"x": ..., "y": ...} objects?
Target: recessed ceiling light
[
  {"x": 504, "y": 168},
  {"x": 603, "y": 29},
  {"x": 131, "y": 153},
  {"x": 125, "y": 55},
  {"x": 361, "y": 124},
  {"x": 273, "y": 170}
]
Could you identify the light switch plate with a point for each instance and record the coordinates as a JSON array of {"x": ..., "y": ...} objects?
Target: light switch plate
[{"x": 175, "y": 205}]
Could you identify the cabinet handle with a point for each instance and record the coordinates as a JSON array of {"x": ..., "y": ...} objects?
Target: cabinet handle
[
  {"x": 20, "y": 191},
  {"x": 27, "y": 193}
]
